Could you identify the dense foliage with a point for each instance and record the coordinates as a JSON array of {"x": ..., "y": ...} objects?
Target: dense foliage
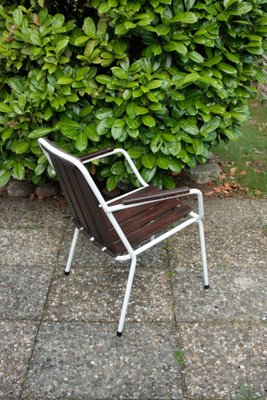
[{"x": 165, "y": 79}]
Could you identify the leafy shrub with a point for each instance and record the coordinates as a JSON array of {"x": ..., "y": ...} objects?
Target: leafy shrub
[{"x": 165, "y": 79}]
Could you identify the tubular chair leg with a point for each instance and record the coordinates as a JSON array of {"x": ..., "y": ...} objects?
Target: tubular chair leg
[
  {"x": 203, "y": 254},
  {"x": 72, "y": 248},
  {"x": 127, "y": 296}
]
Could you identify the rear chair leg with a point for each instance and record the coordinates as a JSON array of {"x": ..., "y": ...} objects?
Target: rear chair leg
[
  {"x": 127, "y": 296},
  {"x": 203, "y": 254},
  {"x": 72, "y": 248}
]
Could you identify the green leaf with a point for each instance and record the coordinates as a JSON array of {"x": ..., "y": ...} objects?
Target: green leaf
[
  {"x": 227, "y": 68},
  {"x": 5, "y": 108},
  {"x": 69, "y": 127},
  {"x": 217, "y": 109},
  {"x": 81, "y": 142},
  {"x": 139, "y": 110},
  {"x": 148, "y": 173},
  {"x": 119, "y": 73},
  {"x": 112, "y": 182},
  {"x": 176, "y": 46},
  {"x": 18, "y": 16},
  {"x": 65, "y": 80},
  {"x": 148, "y": 120},
  {"x": 21, "y": 147},
  {"x": 162, "y": 162},
  {"x": 18, "y": 170},
  {"x": 61, "y": 44},
  {"x": 175, "y": 165},
  {"x": 189, "y": 125},
  {"x": 196, "y": 57},
  {"x": 186, "y": 17},
  {"x": 40, "y": 132},
  {"x": 40, "y": 169},
  {"x": 104, "y": 79},
  {"x": 119, "y": 47},
  {"x": 4, "y": 177},
  {"x": 168, "y": 182},
  {"x": 154, "y": 84},
  {"x": 118, "y": 168},
  {"x": 136, "y": 152},
  {"x": 80, "y": 41},
  {"x": 90, "y": 131},
  {"x": 117, "y": 132},
  {"x": 86, "y": 111},
  {"x": 89, "y": 28},
  {"x": 156, "y": 143},
  {"x": 104, "y": 113},
  {"x": 149, "y": 160},
  {"x": 58, "y": 21}
]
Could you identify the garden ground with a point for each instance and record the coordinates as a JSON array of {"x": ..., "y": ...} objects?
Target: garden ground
[{"x": 58, "y": 333}]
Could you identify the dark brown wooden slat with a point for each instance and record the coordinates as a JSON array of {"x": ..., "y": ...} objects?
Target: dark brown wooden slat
[
  {"x": 144, "y": 232},
  {"x": 158, "y": 224},
  {"x": 156, "y": 196},
  {"x": 150, "y": 213}
]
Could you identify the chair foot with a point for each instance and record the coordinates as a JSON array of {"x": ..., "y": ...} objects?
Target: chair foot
[
  {"x": 206, "y": 286},
  {"x": 67, "y": 272},
  {"x": 119, "y": 334}
]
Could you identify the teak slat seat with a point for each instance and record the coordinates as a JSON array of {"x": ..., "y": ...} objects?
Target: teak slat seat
[{"x": 128, "y": 225}]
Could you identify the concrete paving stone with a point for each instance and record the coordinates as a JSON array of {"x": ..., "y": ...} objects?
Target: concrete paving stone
[
  {"x": 29, "y": 247},
  {"x": 89, "y": 362},
  {"x": 23, "y": 292},
  {"x": 18, "y": 213},
  {"x": 87, "y": 255},
  {"x": 236, "y": 293},
  {"x": 17, "y": 340},
  {"x": 260, "y": 207},
  {"x": 230, "y": 212},
  {"x": 97, "y": 294},
  {"x": 229, "y": 247},
  {"x": 222, "y": 357}
]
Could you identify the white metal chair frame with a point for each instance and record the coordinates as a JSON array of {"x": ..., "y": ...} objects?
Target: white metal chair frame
[{"x": 111, "y": 209}]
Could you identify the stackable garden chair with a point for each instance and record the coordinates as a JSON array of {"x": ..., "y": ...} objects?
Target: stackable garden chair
[{"x": 128, "y": 225}]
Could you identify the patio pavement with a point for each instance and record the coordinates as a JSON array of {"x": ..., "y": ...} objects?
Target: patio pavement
[{"x": 58, "y": 333}]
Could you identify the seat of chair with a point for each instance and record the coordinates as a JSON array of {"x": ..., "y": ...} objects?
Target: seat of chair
[{"x": 141, "y": 222}]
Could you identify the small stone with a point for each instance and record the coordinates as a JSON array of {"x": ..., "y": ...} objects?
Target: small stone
[
  {"x": 205, "y": 173},
  {"x": 19, "y": 189},
  {"x": 48, "y": 190},
  {"x": 3, "y": 190}
]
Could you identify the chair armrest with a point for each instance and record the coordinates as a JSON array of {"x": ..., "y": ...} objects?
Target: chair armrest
[
  {"x": 164, "y": 194},
  {"x": 94, "y": 154}
]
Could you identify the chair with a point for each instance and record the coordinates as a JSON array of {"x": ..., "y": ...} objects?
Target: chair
[{"x": 126, "y": 226}]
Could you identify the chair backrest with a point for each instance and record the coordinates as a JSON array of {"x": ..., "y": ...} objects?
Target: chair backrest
[{"x": 82, "y": 195}]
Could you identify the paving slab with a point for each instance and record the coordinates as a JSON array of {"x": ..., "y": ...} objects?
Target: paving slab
[
  {"x": 16, "y": 344},
  {"x": 23, "y": 292},
  {"x": 19, "y": 213},
  {"x": 96, "y": 294},
  {"x": 230, "y": 212},
  {"x": 30, "y": 247},
  {"x": 220, "y": 358},
  {"x": 225, "y": 247},
  {"x": 235, "y": 293},
  {"x": 88, "y": 361}
]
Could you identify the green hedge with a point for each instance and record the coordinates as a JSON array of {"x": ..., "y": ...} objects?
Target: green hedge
[{"x": 164, "y": 79}]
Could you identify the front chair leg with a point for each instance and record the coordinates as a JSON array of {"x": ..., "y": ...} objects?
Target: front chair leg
[
  {"x": 72, "y": 248},
  {"x": 203, "y": 254},
  {"x": 127, "y": 295}
]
